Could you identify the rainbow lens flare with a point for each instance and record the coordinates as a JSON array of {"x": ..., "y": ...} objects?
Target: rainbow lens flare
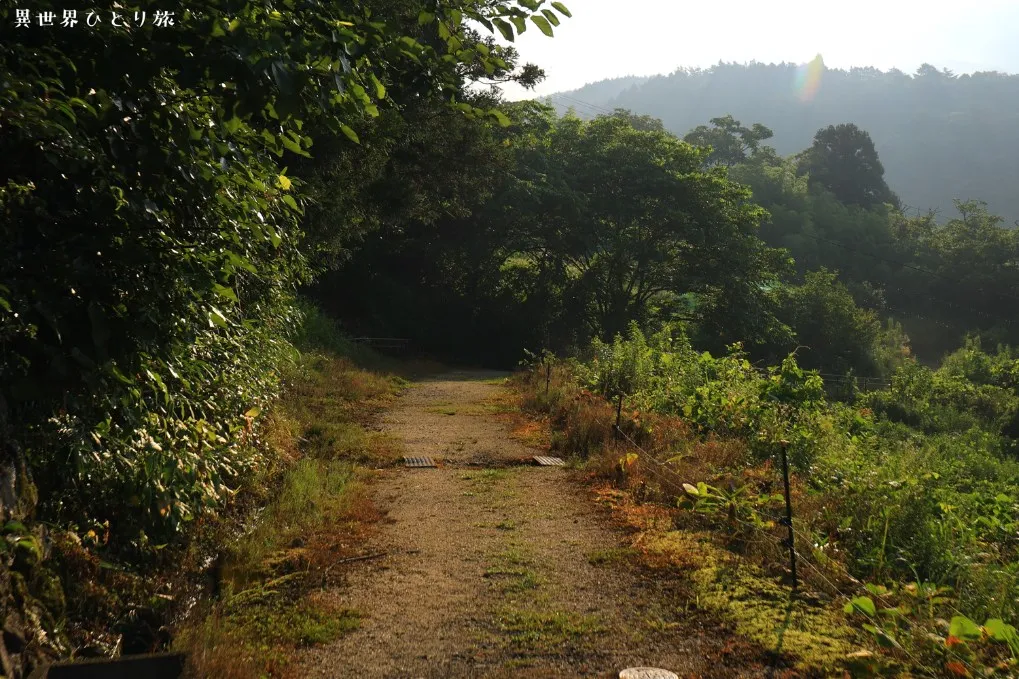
[{"x": 808, "y": 78}]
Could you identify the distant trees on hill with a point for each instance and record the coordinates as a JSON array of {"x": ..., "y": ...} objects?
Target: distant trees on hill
[{"x": 940, "y": 135}]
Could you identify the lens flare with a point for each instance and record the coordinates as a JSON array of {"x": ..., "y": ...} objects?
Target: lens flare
[{"x": 808, "y": 78}]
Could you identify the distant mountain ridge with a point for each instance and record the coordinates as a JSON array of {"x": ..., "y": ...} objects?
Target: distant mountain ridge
[{"x": 939, "y": 136}]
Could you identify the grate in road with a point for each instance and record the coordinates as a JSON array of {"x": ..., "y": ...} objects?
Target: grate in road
[
  {"x": 545, "y": 461},
  {"x": 419, "y": 462}
]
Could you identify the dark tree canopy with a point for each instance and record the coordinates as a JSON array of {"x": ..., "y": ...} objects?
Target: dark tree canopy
[{"x": 843, "y": 160}]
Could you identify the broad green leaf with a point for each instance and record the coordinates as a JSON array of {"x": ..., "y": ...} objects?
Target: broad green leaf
[
  {"x": 542, "y": 24},
  {"x": 226, "y": 292},
  {"x": 504, "y": 28},
  {"x": 500, "y": 116},
  {"x": 284, "y": 182},
  {"x": 863, "y": 604},
  {"x": 692, "y": 490},
  {"x": 290, "y": 201},
  {"x": 1000, "y": 631},
  {"x": 520, "y": 23},
  {"x": 964, "y": 628},
  {"x": 350, "y": 134},
  {"x": 293, "y": 146},
  {"x": 116, "y": 372},
  {"x": 550, "y": 15},
  {"x": 253, "y": 412},
  {"x": 274, "y": 237},
  {"x": 216, "y": 317},
  {"x": 380, "y": 89},
  {"x": 562, "y": 9}
]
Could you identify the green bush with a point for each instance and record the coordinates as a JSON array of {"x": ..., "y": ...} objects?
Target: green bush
[{"x": 914, "y": 481}]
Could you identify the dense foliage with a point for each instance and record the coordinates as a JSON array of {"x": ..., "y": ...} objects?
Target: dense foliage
[
  {"x": 916, "y": 483},
  {"x": 940, "y": 280},
  {"x": 153, "y": 236}
]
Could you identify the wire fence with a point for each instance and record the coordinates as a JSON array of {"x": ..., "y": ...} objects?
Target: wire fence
[{"x": 844, "y": 591}]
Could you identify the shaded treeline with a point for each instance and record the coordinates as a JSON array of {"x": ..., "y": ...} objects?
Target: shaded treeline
[{"x": 555, "y": 230}]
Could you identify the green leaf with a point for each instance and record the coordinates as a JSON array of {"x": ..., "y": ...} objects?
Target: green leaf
[
  {"x": 500, "y": 116},
  {"x": 550, "y": 15},
  {"x": 274, "y": 237},
  {"x": 284, "y": 182},
  {"x": 289, "y": 200},
  {"x": 504, "y": 28},
  {"x": 863, "y": 604},
  {"x": 520, "y": 23},
  {"x": 542, "y": 24},
  {"x": 964, "y": 628},
  {"x": 112, "y": 368},
  {"x": 253, "y": 412},
  {"x": 380, "y": 89},
  {"x": 692, "y": 490},
  {"x": 224, "y": 291},
  {"x": 562, "y": 9},
  {"x": 216, "y": 317},
  {"x": 351, "y": 135},
  {"x": 998, "y": 630},
  {"x": 293, "y": 146}
]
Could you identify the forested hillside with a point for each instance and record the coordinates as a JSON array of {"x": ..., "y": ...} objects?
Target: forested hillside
[{"x": 941, "y": 136}]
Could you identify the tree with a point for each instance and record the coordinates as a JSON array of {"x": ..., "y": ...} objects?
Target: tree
[
  {"x": 835, "y": 334},
  {"x": 730, "y": 142},
  {"x": 843, "y": 160},
  {"x": 628, "y": 223}
]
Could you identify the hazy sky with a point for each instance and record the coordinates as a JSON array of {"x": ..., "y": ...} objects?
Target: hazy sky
[{"x": 609, "y": 38}]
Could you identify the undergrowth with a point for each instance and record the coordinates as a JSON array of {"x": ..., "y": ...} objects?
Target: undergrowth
[{"x": 905, "y": 500}]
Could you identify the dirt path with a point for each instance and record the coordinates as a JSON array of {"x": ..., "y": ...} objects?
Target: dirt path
[{"x": 498, "y": 569}]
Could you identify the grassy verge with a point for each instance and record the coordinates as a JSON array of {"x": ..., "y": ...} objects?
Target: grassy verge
[
  {"x": 313, "y": 511},
  {"x": 724, "y": 579}
]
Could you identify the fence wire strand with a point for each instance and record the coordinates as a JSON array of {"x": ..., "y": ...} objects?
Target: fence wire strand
[{"x": 655, "y": 466}]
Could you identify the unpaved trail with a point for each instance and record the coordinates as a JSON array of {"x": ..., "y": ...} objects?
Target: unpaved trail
[{"x": 498, "y": 569}]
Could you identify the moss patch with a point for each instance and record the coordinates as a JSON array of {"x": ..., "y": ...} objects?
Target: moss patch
[
  {"x": 815, "y": 637},
  {"x": 546, "y": 631}
]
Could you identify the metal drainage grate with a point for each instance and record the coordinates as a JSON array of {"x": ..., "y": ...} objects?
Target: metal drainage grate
[
  {"x": 549, "y": 461},
  {"x": 647, "y": 673},
  {"x": 419, "y": 462}
]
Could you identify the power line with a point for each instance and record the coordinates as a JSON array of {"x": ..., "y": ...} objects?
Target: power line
[{"x": 583, "y": 103}]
